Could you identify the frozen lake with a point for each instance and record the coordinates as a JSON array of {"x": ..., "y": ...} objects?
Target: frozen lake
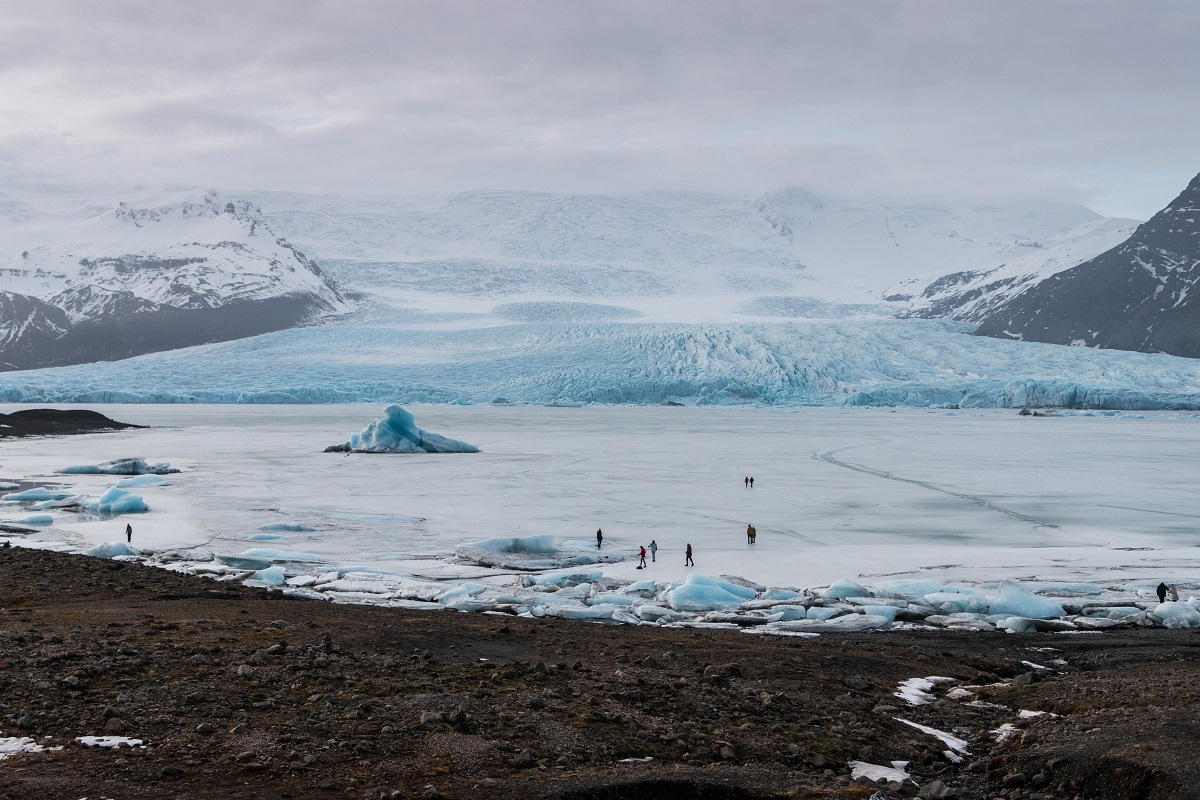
[{"x": 968, "y": 496}]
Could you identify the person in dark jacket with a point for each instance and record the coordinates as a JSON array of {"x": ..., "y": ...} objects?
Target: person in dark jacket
[
  {"x": 1162, "y": 593},
  {"x": 599, "y": 538},
  {"x": 128, "y": 532},
  {"x": 687, "y": 561}
]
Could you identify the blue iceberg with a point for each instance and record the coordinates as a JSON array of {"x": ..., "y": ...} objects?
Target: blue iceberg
[{"x": 397, "y": 432}]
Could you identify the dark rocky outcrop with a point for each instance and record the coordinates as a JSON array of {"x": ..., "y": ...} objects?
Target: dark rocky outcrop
[{"x": 1141, "y": 295}]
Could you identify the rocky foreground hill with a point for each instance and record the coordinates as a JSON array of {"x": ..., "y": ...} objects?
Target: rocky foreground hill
[{"x": 240, "y": 693}]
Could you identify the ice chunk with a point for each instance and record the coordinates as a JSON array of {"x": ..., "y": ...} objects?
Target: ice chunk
[
  {"x": 272, "y": 575},
  {"x": 121, "y": 466},
  {"x": 954, "y": 602},
  {"x": 38, "y": 493},
  {"x": 243, "y": 562},
  {"x": 822, "y": 613},
  {"x": 280, "y": 555},
  {"x": 119, "y": 501},
  {"x": 847, "y": 623},
  {"x": 701, "y": 593},
  {"x": 294, "y": 527},
  {"x": 882, "y": 611},
  {"x": 653, "y": 613},
  {"x": 1020, "y": 603},
  {"x": 845, "y": 588},
  {"x": 736, "y": 589},
  {"x": 1175, "y": 615},
  {"x": 11, "y": 745},
  {"x": 915, "y": 587},
  {"x": 397, "y": 432},
  {"x": 776, "y": 593},
  {"x": 36, "y": 519},
  {"x": 140, "y": 480},
  {"x": 701, "y": 597},
  {"x": 111, "y": 550},
  {"x": 264, "y": 537},
  {"x": 792, "y": 612}
]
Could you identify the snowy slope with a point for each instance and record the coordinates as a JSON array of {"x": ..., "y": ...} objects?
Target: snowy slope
[
  {"x": 970, "y": 295},
  {"x": 125, "y": 274},
  {"x": 788, "y": 243}
]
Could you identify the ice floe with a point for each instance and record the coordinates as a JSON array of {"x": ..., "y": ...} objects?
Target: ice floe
[
  {"x": 397, "y": 432},
  {"x": 109, "y": 741}
]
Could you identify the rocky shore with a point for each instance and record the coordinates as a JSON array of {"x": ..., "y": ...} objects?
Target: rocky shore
[
  {"x": 237, "y": 692},
  {"x": 56, "y": 422}
]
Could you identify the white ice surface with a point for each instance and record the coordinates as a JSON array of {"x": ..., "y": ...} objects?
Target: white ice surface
[{"x": 869, "y": 495}]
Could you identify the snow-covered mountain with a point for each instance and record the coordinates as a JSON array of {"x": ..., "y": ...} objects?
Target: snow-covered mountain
[
  {"x": 970, "y": 295},
  {"x": 1140, "y": 295},
  {"x": 723, "y": 253},
  {"x": 88, "y": 280}
]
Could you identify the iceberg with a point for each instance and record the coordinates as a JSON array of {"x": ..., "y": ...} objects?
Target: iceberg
[
  {"x": 121, "y": 466},
  {"x": 38, "y": 493},
  {"x": 397, "y": 432},
  {"x": 119, "y": 501},
  {"x": 293, "y": 527},
  {"x": 140, "y": 480},
  {"x": 36, "y": 519}
]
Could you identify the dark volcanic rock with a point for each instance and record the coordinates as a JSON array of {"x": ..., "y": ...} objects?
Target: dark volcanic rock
[
  {"x": 1141, "y": 295},
  {"x": 56, "y": 422}
]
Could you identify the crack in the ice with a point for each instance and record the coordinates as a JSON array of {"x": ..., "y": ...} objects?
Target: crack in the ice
[{"x": 878, "y": 473}]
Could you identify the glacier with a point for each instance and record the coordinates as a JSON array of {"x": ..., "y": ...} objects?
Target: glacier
[{"x": 385, "y": 357}]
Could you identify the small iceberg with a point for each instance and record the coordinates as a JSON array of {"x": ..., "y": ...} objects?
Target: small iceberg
[
  {"x": 38, "y": 493},
  {"x": 111, "y": 550},
  {"x": 397, "y": 432},
  {"x": 121, "y": 466}
]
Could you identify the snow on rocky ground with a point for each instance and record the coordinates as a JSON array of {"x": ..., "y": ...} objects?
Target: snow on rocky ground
[{"x": 866, "y": 518}]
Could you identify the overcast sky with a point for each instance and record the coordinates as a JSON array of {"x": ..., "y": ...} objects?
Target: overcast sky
[{"x": 1074, "y": 99}]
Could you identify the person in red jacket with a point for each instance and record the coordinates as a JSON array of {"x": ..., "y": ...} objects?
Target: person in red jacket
[{"x": 641, "y": 557}]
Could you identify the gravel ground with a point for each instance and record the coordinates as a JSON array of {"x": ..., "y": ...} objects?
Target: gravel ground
[{"x": 243, "y": 693}]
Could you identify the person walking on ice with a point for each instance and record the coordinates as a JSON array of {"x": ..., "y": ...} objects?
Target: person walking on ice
[
  {"x": 653, "y": 550},
  {"x": 599, "y": 538},
  {"x": 642, "y": 557},
  {"x": 751, "y": 481},
  {"x": 128, "y": 532},
  {"x": 1162, "y": 592},
  {"x": 746, "y": 481},
  {"x": 750, "y": 534},
  {"x": 687, "y": 557}
]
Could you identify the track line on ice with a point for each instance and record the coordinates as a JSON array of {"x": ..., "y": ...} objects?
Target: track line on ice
[
  {"x": 1150, "y": 511},
  {"x": 878, "y": 473}
]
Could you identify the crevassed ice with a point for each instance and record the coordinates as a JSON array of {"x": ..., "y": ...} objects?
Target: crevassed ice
[{"x": 847, "y": 362}]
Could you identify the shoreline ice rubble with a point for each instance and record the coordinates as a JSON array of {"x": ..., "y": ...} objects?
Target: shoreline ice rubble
[
  {"x": 534, "y": 583},
  {"x": 397, "y": 432}
]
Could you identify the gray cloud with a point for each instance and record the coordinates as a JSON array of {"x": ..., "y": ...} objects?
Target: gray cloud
[{"x": 1082, "y": 99}]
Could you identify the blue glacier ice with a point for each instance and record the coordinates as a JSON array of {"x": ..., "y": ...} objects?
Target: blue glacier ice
[
  {"x": 119, "y": 501},
  {"x": 1021, "y": 603},
  {"x": 397, "y": 432},
  {"x": 38, "y": 493},
  {"x": 111, "y": 550},
  {"x": 383, "y": 358}
]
